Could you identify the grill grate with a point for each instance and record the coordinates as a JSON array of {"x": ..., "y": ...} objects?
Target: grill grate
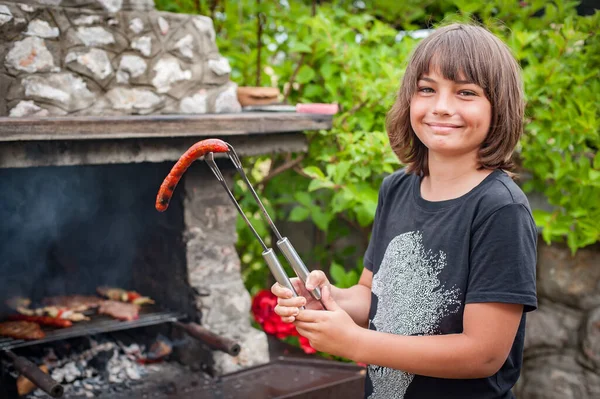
[{"x": 97, "y": 324}]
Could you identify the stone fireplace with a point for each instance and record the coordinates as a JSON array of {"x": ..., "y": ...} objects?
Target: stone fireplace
[{"x": 100, "y": 98}]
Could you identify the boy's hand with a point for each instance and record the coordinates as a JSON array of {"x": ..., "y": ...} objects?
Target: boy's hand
[
  {"x": 288, "y": 306},
  {"x": 332, "y": 330}
]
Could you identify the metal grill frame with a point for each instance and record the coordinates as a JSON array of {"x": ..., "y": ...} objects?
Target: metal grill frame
[{"x": 98, "y": 324}]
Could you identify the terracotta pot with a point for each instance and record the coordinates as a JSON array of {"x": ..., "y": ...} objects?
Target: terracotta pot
[{"x": 257, "y": 95}]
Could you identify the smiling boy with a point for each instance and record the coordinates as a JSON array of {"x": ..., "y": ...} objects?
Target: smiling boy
[{"x": 450, "y": 268}]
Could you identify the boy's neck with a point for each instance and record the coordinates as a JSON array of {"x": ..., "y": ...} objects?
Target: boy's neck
[{"x": 451, "y": 178}]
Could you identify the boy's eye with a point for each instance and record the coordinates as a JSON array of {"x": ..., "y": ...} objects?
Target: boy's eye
[
  {"x": 467, "y": 93},
  {"x": 425, "y": 89}
]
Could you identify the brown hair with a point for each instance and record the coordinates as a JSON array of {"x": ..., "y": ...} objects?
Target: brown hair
[{"x": 474, "y": 53}]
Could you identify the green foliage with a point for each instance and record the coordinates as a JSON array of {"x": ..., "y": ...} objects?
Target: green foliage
[{"x": 350, "y": 53}]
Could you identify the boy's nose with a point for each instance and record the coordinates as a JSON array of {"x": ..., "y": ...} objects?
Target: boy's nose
[{"x": 443, "y": 105}]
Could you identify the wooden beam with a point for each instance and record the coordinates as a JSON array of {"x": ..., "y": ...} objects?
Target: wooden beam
[{"x": 156, "y": 126}]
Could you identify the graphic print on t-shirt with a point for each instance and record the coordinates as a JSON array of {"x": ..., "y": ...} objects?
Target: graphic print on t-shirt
[{"x": 410, "y": 301}]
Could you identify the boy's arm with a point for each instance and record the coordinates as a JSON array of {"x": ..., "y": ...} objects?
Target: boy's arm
[
  {"x": 356, "y": 300},
  {"x": 489, "y": 331}
]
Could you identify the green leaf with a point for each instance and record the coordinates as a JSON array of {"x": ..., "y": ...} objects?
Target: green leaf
[
  {"x": 299, "y": 214},
  {"x": 299, "y": 47},
  {"x": 338, "y": 274},
  {"x": 317, "y": 184},
  {"x": 314, "y": 172},
  {"x": 304, "y": 198},
  {"x": 305, "y": 74},
  {"x": 321, "y": 218}
]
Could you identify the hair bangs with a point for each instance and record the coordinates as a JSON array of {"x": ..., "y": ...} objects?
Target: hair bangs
[{"x": 456, "y": 57}]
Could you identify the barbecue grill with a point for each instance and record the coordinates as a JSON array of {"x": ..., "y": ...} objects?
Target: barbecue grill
[{"x": 148, "y": 316}]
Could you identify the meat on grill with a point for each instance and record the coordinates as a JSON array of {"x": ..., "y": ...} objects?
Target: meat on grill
[
  {"x": 42, "y": 320},
  {"x": 53, "y": 312},
  {"x": 76, "y": 303},
  {"x": 18, "y": 302},
  {"x": 120, "y": 310},
  {"x": 119, "y": 294},
  {"x": 21, "y": 330}
]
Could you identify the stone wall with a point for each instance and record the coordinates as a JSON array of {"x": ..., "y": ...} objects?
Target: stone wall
[
  {"x": 562, "y": 340},
  {"x": 93, "y": 57},
  {"x": 214, "y": 268}
]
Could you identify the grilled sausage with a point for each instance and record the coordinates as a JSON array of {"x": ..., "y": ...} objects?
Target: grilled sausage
[
  {"x": 194, "y": 152},
  {"x": 42, "y": 320}
]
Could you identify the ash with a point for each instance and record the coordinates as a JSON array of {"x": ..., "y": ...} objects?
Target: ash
[{"x": 104, "y": 368}]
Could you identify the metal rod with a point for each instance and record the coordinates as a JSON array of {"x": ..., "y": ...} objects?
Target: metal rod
[
  {"x": 238, "y": 165},
  {"x": 268, "y": 254},
  {"x": 210, "y": 160},
  {"x": 283, "y": 243},
  {"x": 213, "y": 340},
  {"x": 35, "y": 375}
]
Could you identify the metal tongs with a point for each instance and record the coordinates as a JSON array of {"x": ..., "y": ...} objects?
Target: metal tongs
[{"x": 283, "y": 243}]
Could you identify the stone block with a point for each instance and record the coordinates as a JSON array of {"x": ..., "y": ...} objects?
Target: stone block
[
  {"x": 146, "y": 45},
  {"x": 24, "y": 108},
  {"x": 85, "y": 17},
  {"x": 552, "y": 326},
  {"x": 28, "y": 108},
  {"x": 254, "y": 349},
  {"x": 137, "y": 23},
  {"x": 568, "y": 279},
  {"x": 106, "y": 38},
  {"x": 591, "y": 338},
  {"x": 31, "y": 55},
  {"x": 64, "y": 90},
  {"x": 208, "y": 261},
  {"x": 194, "y": 103},
  {"x": 556, "y": 377},
  {"x": 170, "y": 75},
  {"x": 228, "y": 304},
  {"x": 41, "y": 28},
  {"x": 216, "y": 71},
  {"x": 92, "y": 62},
  {"x": 134, "y": 101},
  {"x": 226, "y": 101},
  {"x": 130, "y": 68}
]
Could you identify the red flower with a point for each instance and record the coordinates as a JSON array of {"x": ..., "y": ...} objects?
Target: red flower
[
  {"x": 305, "y": 345},
  {"x": 263, "y": 310},
  {"x": 263, "y": 305}
]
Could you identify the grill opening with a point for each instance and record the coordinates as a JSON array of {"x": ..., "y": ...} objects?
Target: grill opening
[{"x": 69, "y": 230}]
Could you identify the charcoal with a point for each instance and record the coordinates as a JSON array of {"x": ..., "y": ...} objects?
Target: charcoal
[{"x": 100, "y": 360}]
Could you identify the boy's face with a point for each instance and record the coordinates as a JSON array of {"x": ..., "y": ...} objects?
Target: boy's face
[{"x": 450, "y": 118}]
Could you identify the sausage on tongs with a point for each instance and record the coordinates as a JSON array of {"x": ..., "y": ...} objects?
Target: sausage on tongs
[{"x": 207, "y": 148}]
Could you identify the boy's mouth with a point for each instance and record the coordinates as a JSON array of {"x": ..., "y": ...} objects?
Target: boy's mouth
[{"x": 443, "y": 127}]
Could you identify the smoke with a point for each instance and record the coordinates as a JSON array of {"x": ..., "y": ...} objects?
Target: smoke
[{"x": 67, "y": 230}]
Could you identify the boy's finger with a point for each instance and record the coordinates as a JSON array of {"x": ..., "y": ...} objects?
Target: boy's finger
[
  {"x": 316, "y": 278},
  {"x": 285, "y": 311},
  {"x": 295, "y": 302},
  {"x": 280, "y": 291}
]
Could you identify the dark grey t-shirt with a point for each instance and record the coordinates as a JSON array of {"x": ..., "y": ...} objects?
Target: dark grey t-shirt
[{"x": 429, "y": 259}]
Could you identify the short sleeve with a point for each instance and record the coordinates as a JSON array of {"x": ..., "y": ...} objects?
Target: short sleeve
[
  {"x": 503, "y": 259},
  {"x": 368, "y": 258}
]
